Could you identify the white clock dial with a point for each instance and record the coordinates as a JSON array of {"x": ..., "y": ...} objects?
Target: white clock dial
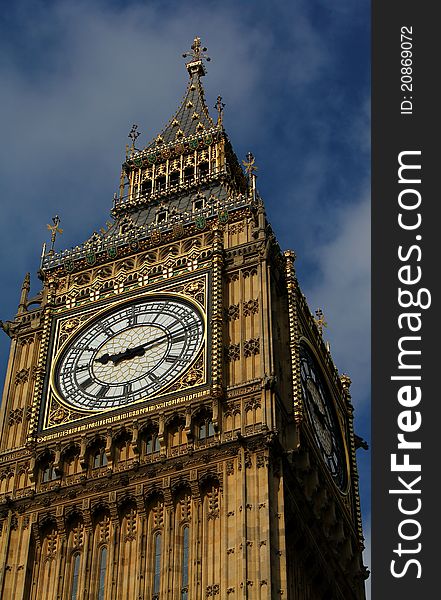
[{"x": 129, "y": 353}]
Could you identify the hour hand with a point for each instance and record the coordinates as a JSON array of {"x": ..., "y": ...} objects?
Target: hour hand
[
  {"x": 120, "y": 356},
  {"x": 127, "y": 355},
  {"x": 104, "y": 359}
]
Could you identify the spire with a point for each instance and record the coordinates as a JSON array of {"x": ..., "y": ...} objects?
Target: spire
[
  {"x": 192, "y": 117},
  {"x": 26, "y": 286}
]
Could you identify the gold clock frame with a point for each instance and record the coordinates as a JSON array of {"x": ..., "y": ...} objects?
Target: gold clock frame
[{"x": 57, "y": 413}]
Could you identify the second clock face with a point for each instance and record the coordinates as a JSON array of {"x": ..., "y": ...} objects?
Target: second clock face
[
  {"x": 129, "y": 353},
  {"x": 322, "y": 416}
]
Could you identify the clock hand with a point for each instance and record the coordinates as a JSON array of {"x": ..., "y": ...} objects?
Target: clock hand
[
  {"x": 128, "y": 354},
  {"x": 105, "y": 358},
  {"x": 321, "y": 417},
  {"x": 137, "y": 350},
  {"x": 151, "y": 343}
]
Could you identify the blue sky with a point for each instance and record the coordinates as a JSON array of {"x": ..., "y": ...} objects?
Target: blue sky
[{"x": 295, "y": 78}]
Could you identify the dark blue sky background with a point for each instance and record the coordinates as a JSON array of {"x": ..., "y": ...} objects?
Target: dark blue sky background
[{"x": 295, "y": 78}]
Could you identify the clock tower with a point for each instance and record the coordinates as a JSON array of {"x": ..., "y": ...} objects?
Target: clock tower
[{"x": 173, "y": 426}]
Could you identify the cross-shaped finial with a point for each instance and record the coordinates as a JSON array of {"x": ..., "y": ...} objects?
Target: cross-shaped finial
[
  {"x": 134, "y": 135},
  {"x": 197, "y": 52},
  {"x": 197, "y": 55},
  {"x": 249, "y": 164},
  {"x": 54, "y": 229},
  {"x": 320, "y": 320}
]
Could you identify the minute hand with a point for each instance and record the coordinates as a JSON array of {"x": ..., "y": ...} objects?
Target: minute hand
[
  {"x": 138, "y": 350},
  {"x": 158, "y": 340}
]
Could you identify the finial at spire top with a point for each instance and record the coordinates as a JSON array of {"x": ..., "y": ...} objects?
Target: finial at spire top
[
  {"x": 54, "y": 229},
  {"x": 197, "y": 54}
]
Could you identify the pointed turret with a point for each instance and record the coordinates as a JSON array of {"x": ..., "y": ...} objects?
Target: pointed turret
[
  {"x": 191, "y": 151},
  {"x": 26, "y": 286},
  {"x": 192, "y": 117},
  {"x": 185, "y": 177}
]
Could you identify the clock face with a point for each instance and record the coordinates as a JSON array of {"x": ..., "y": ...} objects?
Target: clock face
[
  {"x": 129, "y": 353},
  {"x": 319, "y": 406}
]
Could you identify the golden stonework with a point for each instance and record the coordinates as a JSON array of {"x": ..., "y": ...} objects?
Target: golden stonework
[{"x": 100, "y": 493}]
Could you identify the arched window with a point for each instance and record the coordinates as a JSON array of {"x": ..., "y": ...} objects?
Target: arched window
[
  {"x": 160, "y": 183},
  {"x": 152, "y": 443},
  {"x": 203, "y": 169},
  {"x": 161, "y": 216},
  {"x": 198, "y": 203},
  {"x": 99, "y": 458},
  {"x": 157, "y": 565},
  {"x": 75, "y": 576},
  {"x": 176, "y": 434},
  {"x": 185, "y": 559},
  {"x": 174, "y": 178},
  {"x": 71, "y": 461},
  {"x": 48, "y": 473},
  {"x": 206, "y": 429},
  {"x": 102, "y": 573},
  {"x": 123, "y": 447},
  {"x": 146, "y": 186},
  {"x": 188, "y": 174}
]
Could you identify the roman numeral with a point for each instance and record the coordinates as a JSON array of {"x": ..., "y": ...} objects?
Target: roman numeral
[
  {"x": 103, "y": 391},
  {"x": 179, "y": 338},
  {"x": 87, "y": 383},
  {"x": 171, "y": 358},
  {"x": 107, "y": 330},
  {"x": 132, "y": 318}
]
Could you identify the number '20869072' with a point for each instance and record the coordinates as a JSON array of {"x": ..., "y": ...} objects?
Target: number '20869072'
[{"x": 406, "y": 68}]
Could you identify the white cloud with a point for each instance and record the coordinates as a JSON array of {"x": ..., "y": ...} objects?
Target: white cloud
[{"x": 342, "y": 290}]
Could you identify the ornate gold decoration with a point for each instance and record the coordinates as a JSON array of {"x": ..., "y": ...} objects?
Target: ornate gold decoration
[
  {"x": 155, "y": 236},
  {"x": 251, "y": 347},
  {"x": 54, "y": 229},
  {"x": 250, "y": 307},
  {"x": 59, "y": 415},
  {"x": 249, "y": 164},
  {"x": 21, "y": 376},
  {"x": 233, "y": 312},
  {"x": 233, "y": 352},
  {"x": 320, "y": 320},
  {"x": 291, "y": 284},
  {"x": 197, "y": 52},
  {"x": 130, "y": 533},
  {"x": 195, "y": 376},
  {"x": 194, "y": 289},
  {"x": 134, "y": 135},
  {"x": 15, "y": 416},
  {"x": 219, "y": 106},
  {"x": 69, "y": 326}
]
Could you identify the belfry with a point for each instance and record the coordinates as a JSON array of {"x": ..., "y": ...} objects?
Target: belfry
[{"x": 173, "y": 426}]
